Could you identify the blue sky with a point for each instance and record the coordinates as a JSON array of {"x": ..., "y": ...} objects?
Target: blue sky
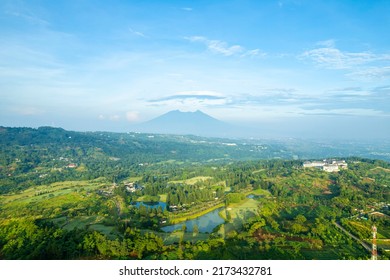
[{"x": 291, "y": 68}]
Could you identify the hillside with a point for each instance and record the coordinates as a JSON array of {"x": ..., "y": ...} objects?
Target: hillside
[
  {"x": 37, "y": 151},
  {"x": 188, "y": 123},
  {"x": 99, "y": 195}
]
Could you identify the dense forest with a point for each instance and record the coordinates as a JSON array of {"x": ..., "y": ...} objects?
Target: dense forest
[{"x": 100, "y": 195}]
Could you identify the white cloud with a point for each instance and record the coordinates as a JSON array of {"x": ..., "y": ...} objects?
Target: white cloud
[
  {"x": 333, "y": 58},
  {"x": 348, "y": 92},
  {"x": 217, "y": 46},
  {"x": 347, "y": 112},
  {"x": 132, "y": 116},
  {"x": 371, "y": 73},
  {"x": 20, "y": 10},
  {"x": 200, "y": 93},
  {"x": 330, "y": 57},
  {"x": 189, "y": 100},
  {"x": 254, "y": 53},
  {"x": 28, "y": 111},
  {"x": 115, "y": 118},
  {"x": 223, "y": 48},
  {"x": 137, "y": 33},
  {"x": 327, "y": 43}
]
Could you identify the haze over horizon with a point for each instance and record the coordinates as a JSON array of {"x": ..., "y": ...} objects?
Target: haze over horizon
[{"x": 287, "y": 67}]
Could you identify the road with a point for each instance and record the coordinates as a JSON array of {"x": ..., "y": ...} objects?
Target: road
[{"x": 365, "y": 245}]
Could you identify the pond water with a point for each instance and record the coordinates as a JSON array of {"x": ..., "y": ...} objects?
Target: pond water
[
  {"x": 205, "y": 223},
  {"x": 150, "y": 205},
  {"x": 252, "y": 196}
]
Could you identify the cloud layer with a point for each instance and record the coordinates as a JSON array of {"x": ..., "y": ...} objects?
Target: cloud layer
[
  {"x": 223, "y": 48},
  {"x": 113, "y": 64}
]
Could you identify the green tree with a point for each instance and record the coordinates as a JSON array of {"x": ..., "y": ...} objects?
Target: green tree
[{"x": 195, "y": 229}]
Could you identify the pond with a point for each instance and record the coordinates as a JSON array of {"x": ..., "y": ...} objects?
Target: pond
[
  {"x": 205, "y": 223},
  {"x": 252, "y": 196},
  {"x": 150, "y": 205}
]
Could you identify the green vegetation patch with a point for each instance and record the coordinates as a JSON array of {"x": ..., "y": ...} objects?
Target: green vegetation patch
[
  {"x": 383, "y": 232},
  {"x": 150, "y": 198},
  {"x": 110, "y": 231},
  {"x": 193, "y": 181},
  {"x": 327, "y": 253},
  {"x": 379, "y": 168},
  {"x": 178, "y": 236},
  {"x": 79, "y": 222},
  {"x": 237, "y": 215},
  {"x": 258, "y": 171},
  {"x": 55, "y": 189},
  {"x": 163, "y": 197},
  {"x": 135, "y": 179},
  {"x": 260, "y": 192}
]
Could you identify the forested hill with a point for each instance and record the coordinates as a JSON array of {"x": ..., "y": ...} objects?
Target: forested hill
[
  {"x": 48, "y": 141},
  {"x": 31, "y": 156},
  {"x": 155, "y": 147},
  {"x": 34, "y": 156}
]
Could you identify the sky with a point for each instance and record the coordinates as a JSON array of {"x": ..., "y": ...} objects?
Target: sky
[{"x": 289, "y": 68}]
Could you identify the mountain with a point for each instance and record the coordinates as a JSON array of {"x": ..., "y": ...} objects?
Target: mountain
[{"x": 184, "y": 123}]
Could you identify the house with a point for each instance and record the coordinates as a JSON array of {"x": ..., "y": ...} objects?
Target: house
[
  {"x": 317, "y": 164},
  {"x": 132, "y": 187},
  {"x": 330, "y": 168},
  {"x": 327, "y": 165},
  {"x": 341, "y": 164}
]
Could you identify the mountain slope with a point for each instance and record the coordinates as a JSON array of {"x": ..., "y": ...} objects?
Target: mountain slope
[{"x": 196, "y": 123}]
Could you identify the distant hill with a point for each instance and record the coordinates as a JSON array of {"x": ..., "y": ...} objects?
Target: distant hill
[{"x": 187, "y": 123}]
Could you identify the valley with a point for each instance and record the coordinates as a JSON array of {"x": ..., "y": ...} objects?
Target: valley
[{"x": 99, "y": 195}]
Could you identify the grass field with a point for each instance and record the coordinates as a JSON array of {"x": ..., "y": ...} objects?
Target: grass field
[
  {"x": 193, "y": 180},
  {"x": 56, "y": 189},
  {"x": 258, "y": 171},
  {"x": 381, "y": 169},
  {"x": 175, "y": 237},
  {"x": 81, "y": 222},
  {"x": 163, "y": 197},
  {"x": 53, "y": 200},
  {"x": 110, "y": 231},
  {"x": 44, "y": 206},
  {"x": 134, "y": 179},
  {"x": 239, "y": 213},
  {"x": 260, "y": 192}
]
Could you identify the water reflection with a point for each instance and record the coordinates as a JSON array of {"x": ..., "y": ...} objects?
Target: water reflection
[
  {"x": 151, "y": 205},
  {"x": 205, "y": 223}
]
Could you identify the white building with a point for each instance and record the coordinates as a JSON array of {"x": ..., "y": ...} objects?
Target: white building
[
  {"x": 330, "y": 168},
  {"x": 327, "y": 165},
  {"x": 318, "y": 164}
]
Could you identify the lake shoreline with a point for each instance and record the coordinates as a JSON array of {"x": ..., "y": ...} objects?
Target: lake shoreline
[{"x": 195, "y": 215}]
